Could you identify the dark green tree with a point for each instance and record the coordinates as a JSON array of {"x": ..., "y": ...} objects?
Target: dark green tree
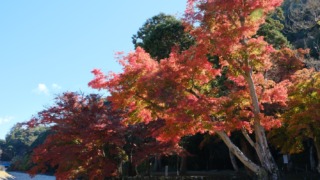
[
  {"x": 159, "y": 34},
  {"x": 20, "y": 143},
  {"x": 271, "y": 30},
  {"x": 20, "y": 138},
  {"x": 2, "y": 146}
]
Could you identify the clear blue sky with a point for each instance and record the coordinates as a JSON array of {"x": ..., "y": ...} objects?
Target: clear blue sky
[{"x": 48, "y": 47}]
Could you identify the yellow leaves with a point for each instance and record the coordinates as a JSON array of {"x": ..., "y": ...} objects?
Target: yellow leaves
[
  {"x": 207, "y": 125},
  {"x": 245, "y": 102},
  {"x": 301, "y": 115},
  {"x": 314, "y": 94},
  {"x": 256, "y": 14},
  {"x": 77, "y": 141},
  {"x": 296, "y": 109}
]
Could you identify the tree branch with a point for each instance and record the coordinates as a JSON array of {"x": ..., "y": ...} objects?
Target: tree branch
[
  {"x": 239, "y": 154},
  {"x": 191, "y": 91},
  {"x": 248, "y": 138}
]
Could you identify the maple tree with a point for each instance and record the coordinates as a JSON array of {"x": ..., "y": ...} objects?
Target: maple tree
[
  {"x": 179, "y": 89},
  {"x": 301, "y": 118},
  {"x": 87, "y": 139},
  {"x": 285, "y": 62}
]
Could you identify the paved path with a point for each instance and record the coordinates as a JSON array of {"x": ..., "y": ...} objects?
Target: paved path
[{"x": 24, "y": 176}]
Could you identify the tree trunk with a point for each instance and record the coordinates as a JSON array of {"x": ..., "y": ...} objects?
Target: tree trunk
[
  {"x": 131, "y": 169},
  {"x": 249, "y": 151},
  {"x": 317, "y": 146},
  {"x": 311, "y": 156},
  {"x": 120, "y": 169},
  {"x": 178, "y": 167},
  {"x": 157, "y": 163},
  {"x": 136, "y": 170},
  {"x": 260, "y": 172},
  {"x": 233, "y": 161},
  {"x": 183, "y": 165},
  {"x": 261, "y": 145}
]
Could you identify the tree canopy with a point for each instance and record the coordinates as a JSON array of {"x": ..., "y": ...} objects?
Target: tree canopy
[
  {"x": 176, "y": 89},
  {"x": 301, "y": 118},
  {"x": 160, "y": 34},
  {"x": 87, "y": 139}
]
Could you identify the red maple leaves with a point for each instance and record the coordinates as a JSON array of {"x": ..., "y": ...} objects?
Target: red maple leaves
[
  {"x": 85, "y": 138},
  {"x": 88, "y": 139}
]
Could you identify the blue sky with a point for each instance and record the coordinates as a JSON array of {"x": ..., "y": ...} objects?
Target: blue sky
[{"x": 48, "y": 47}]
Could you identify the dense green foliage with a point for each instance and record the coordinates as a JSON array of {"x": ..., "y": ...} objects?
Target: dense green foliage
[
  {"x": 271, "y": 30},
  {"x": 3, "y": 155},
  {"x": 19, "y": 144},
  {"x": 161, "y": 33}
]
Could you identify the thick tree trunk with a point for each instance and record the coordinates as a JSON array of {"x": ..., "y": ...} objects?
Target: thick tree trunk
[
  {"x": 233, "y": 161},
  {"x": 260, "y": 172},
  {"x": 264, "y": 153},
  {"x": 261, "y": 145},
  {"x": 317, "y": 146}
]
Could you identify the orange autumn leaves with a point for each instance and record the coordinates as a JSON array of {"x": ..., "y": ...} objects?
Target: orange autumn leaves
[
  {"x": 174, "y": 90},
  {"x": 151, "y": 90}
]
